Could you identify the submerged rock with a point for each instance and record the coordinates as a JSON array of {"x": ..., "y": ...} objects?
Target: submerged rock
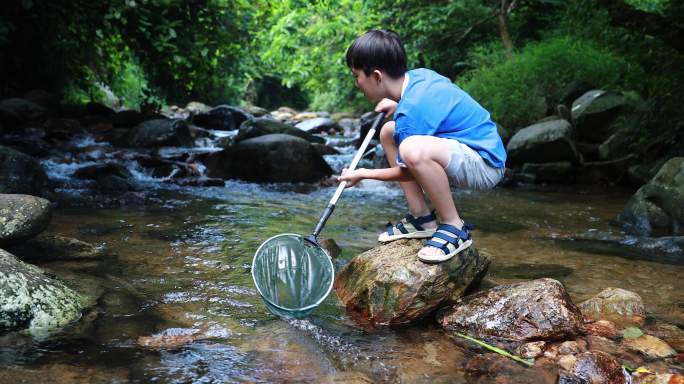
[
  {"x": 48, "y": 247},
  {"x": 658, "y": 205},
  {"x": 593, "y": 367},
  {"x": 620, "y": 306},
  {"x": 22, "y": 217},
  {"x": 30, "y": 299},
  {"x": 546, "y": 142},
  {"x": 528, "y": 311},
  {"x": 20, "y": 173},
  {"x": 388, "y": 285},
  {"x": 269, "y": 158}
]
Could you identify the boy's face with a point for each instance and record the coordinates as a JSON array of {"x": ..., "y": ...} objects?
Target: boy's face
[{"x": 369, "y": 85}]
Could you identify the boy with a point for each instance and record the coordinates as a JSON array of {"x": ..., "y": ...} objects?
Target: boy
[{"x": 439, "y": 136}]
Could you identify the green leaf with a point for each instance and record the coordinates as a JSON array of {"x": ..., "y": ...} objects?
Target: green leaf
[{"x": 632, "y": 333}]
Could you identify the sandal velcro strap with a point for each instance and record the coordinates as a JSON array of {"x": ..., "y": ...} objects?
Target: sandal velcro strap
[
  {"x": 450, "y": 230},
  {"x": 410, "y": 224}
]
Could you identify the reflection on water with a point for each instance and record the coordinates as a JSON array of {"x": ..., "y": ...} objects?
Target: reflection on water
[{"x": 183, "y": 269}]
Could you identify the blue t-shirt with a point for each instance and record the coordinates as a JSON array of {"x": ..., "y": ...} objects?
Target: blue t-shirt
[{"x": 433, "y": 105}]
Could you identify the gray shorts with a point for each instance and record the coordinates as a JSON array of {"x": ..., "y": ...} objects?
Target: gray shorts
[{"x": 468, "y": 170}]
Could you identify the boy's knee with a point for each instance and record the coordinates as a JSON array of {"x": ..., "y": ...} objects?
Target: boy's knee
[
  {"x": 387, "y": 131},
  {"x": 412, "y": 153}
]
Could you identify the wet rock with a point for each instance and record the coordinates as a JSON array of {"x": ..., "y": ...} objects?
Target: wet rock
[
  {"x": 649, "y": 346},
  {"x": 618, "y": 305},
  {"x": 256, "y": 111},
  {"x": 572, "y": 91},
  {"x": 659, "y": 205},
  {"x": 528, "y": 311},
  {"x": 572, "y": 347},
  {"x": 32, "y": 300},
  {"x": 366, "y": 122},
  {"x": 222, "y": 117},
  {"x": 331, "y": 247},
  {"x": 388, "y": 285},
  {"x": 319, "y": 125},
  {"x": 301, "y": 116},
  {"x": 557, "y": 172},
  {"x": 22, "y": 217},
  {"x": 263, "y": 126},
  {"x": 64, "y": 373},
  {"x": 323, "y": 149},
  {"x": 269, "y": 158},
  {"x": 603, "y": 328},
  {"x": 158, "y": 133},
  {"x": 567, "y": 362},
  {"x": 128, "y": 118},
  {"x": 62, "y": 129},
  {"x": 594, "y": 112},
  {"x": 594, "y": 367},
  {"x": 20, "y": 173},
  {"x": 196, "y": 107},
  {"x": 671, "y": 334},
  {"x": 19, "y": 111},
  {"x": 531, "y": 350},
  {"x": 47, "y": 247},
  {"x": 546, "y": 142}
]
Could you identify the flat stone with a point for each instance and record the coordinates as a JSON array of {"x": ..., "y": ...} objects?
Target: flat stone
[
  {"x": 621, "y": 306},
  {"x": 47, "y": 247},
  {"x": 649, "y": 346},
  {"x": 593, "y": 367}
]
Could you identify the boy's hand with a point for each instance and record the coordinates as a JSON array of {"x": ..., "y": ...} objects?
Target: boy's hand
[
  {"x": 351, "y": 177},
  {"x": 386, "y": 105}
]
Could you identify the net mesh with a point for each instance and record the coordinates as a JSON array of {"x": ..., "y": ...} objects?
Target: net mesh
[{"x": 292, "y": 275}]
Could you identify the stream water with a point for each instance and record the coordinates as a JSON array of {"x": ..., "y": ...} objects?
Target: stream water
[{"x": 182, "y": 270}]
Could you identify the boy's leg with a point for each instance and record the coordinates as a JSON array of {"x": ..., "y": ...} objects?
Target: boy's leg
[
  {"x": 412, "y": 191},
  {"x": 426, "y": 157}
]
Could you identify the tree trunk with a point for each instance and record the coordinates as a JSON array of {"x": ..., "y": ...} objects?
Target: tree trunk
[{"x": 503, "y": 27}]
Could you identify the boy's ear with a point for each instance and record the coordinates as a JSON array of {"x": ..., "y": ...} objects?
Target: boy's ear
[{"x": 377, "y": 75}]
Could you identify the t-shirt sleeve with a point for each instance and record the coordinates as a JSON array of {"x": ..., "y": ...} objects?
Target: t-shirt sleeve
[{"x": 405, "y": 126}]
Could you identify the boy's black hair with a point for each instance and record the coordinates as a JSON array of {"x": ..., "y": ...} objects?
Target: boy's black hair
[{"x": 378, "y": 49}]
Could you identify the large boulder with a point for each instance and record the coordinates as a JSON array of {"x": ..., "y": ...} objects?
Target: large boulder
[
  {"x": 529, "y": 311},
  {"x": 266, "y": 126},
  {"x": 318, "y": 125},
  {"x": 388, "y": 285},
  {"x": 618, "y": 305},
  {"x": 22, "y": 217},
  {"x": 594, "y": 112},
  {"x": 222, "y": 117},
  {"x": 659, "y": 205},
  {"x": 269, "y": 158},
  {"x": 158, "y": 133},
  {"x": 545, "y": 142},
  {"x": 18, "y": 111},
  {"x": 30, "y": 299},
  {"x": 20, "y": 173}
]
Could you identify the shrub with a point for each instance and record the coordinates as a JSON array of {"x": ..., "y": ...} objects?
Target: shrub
[{"x": 520, "y": 91}]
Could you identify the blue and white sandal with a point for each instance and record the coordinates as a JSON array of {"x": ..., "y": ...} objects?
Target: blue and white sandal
[
  {"x": 409, "y": 227},
  {"x": 450, "y": 240}
]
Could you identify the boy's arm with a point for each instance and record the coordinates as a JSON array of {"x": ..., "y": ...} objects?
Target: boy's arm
[{"x": 384, "y": 174}]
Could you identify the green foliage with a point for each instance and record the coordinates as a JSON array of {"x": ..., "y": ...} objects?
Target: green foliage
[
  {"x": 521, "y": 90},
  {"x": 306, "y": 43}
]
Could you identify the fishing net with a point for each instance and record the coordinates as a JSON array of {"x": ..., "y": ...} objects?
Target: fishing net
[{"x": 292, "y": 275}]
